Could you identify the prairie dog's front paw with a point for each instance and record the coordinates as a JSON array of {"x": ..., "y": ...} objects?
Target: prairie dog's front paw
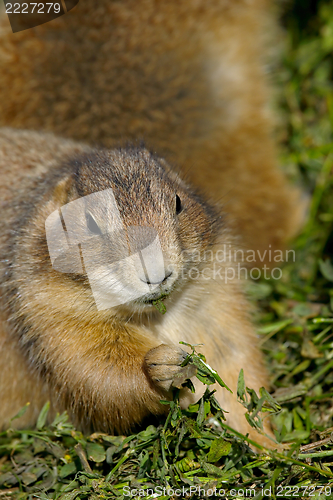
[{"x": 163, "y": 364}]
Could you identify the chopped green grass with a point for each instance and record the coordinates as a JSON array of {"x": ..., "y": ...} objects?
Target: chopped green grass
[{"x": 195, "y": 448}]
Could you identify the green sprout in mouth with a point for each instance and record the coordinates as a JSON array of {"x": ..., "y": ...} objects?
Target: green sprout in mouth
[{"x": 160, "y": 306}]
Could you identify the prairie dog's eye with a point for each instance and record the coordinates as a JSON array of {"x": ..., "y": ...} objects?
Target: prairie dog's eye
[
  {"x": 92, "y": 224},
  {"x": 179, "y": 207}
]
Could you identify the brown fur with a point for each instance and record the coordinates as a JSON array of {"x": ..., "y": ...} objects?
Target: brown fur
[
  {"x": 186, "y": 76},
  {"x": 108, "y": 368}
]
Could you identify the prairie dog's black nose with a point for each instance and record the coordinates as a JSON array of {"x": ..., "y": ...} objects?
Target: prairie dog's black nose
[{"x": 161, "y": 282}]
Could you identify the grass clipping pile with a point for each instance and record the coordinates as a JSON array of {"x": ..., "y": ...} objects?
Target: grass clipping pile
[
  {"x": 193, "y": 448},
  {"x": 193, "y": 453}
]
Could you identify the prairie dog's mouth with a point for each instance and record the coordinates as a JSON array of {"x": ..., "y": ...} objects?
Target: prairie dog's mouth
[
  {"x": 157, "y": 291},
  {"x": 149, "y": 299},
  {"x": 122, "y": 284}
]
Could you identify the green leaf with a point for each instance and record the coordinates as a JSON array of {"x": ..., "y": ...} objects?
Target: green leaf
[
  {"x": 219, "y": 448},
  {"x": 95, "y": 452},
  {"x": 71, "y": 495},
  {"x": 270, "y": 402},
  {"x": 160, "y": 306},
  {"x": 326, "y": 269},
  {"x": 274, "y": 327},
  {"x": 201, "y": 413},
  {"x": 206, "y": 374},
  {"x": 212, "y": 470},
  {"x": 43, "y": 416},
  {"x": 21, "y": 412},
  {"x": 28, "y": 478},
  {"x": 241, "y": 385},
  {"x": 67, "y": 469}
]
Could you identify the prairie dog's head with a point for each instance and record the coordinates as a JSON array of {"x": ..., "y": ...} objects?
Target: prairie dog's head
[{"x": 129, "y": 225}]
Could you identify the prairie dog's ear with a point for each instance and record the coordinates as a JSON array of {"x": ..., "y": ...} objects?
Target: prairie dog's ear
[
  {"x": 62, "y": 190},
  {"x": 64, "y": 253}
]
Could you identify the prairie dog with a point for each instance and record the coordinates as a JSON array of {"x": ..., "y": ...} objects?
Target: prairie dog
[
  {"x": 110, "y": 367},
  {"x": 186, "y": 76}
]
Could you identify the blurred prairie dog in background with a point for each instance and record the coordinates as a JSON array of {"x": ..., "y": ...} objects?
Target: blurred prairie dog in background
[
  {"x": 110, "y": 367},
  {"x": 185, "y": 76}
]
